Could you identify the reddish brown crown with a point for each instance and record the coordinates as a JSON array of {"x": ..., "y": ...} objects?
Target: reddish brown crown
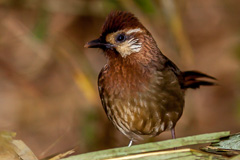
[{"x": 119, "y": 20}]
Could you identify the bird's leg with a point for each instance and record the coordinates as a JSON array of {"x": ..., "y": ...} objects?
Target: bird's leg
[
  {"x": 130, "y": 143},
  {"x": 173, "y": 133}
]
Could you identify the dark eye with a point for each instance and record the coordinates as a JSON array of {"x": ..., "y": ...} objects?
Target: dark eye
[{"x": 120, "y": 38}]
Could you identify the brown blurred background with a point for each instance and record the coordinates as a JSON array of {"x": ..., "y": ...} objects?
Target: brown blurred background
[{"x": 48, "y": 81}]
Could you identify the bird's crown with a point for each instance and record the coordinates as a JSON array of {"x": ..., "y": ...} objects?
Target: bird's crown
[{"x": 120, "y": 20}]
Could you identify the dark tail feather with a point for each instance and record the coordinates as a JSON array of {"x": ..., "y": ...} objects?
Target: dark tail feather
[{"x": 191, "y": 80}]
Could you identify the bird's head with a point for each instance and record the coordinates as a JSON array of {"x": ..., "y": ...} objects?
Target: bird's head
[{"x": 122, "y": 34}]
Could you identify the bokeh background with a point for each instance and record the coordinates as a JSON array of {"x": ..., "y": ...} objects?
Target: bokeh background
[{"x": 48, "y": 80}]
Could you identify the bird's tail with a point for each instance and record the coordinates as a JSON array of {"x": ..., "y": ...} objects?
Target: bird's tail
[{"x": 195, "y": 79}]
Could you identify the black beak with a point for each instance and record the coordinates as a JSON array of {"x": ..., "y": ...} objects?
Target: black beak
[{"x": 97, "y": 43}]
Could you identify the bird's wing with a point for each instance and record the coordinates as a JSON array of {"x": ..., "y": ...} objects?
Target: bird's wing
[
  {"x": 169, "y": 64},
  {"x": 101, "y": 89}
]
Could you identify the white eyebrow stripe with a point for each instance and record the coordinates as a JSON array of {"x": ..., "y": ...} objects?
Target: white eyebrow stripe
[{"x": 134, "y": 30}]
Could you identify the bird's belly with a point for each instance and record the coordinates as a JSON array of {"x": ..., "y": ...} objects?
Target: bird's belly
[{"x": 139, "y": 117}]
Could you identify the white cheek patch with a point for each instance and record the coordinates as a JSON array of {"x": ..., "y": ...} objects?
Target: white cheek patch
[
  {"x": 129, "y": 47},
  {"x": 136, "y": 47}
]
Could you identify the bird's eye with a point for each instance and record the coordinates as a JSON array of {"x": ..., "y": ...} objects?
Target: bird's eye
[{"x": 120, "y": 38}]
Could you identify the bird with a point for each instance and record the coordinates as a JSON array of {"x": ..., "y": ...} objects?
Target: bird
[{"x": 141, "y": 90}]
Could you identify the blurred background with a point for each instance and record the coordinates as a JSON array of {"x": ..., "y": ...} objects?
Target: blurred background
[{"x": 48, "y": 80}]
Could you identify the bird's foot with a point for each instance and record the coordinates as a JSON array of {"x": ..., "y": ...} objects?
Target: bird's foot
[{"x": 130, "y": 143}]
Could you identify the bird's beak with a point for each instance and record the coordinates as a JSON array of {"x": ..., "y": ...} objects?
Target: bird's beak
[{"x": 97, "y": 43}]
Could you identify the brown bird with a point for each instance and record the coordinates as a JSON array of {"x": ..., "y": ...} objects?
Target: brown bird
[{"x": 141, "y": 90}]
